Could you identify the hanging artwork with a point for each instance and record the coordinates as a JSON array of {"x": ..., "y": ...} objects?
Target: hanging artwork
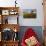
[{"x": 29, "y": 13}]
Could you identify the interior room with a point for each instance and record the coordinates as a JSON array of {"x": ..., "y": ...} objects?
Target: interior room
[{"x": 22, "y": 23}]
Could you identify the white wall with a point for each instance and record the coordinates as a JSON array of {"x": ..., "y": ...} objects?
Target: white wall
[
  {"x": 7, "y": 3},
  {"x": 27, "y": 4},
  {"x": 32, "y": 4}
]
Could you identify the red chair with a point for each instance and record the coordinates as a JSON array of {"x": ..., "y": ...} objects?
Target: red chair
[{"x": 29, "y": 33}]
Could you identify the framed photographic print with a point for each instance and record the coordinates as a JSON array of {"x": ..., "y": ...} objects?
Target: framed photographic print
[
  {"x": 5, "y": 12},
  {"x": 29, "y": 13}
]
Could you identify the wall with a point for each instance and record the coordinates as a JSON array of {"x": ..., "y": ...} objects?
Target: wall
[
  {"x": 7, "y": 3},
  {"x": 27, "y": 4},
  {"x": 32, "y": 4}
]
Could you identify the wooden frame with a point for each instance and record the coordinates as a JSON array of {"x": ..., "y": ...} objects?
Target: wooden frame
[
  {"x": 8, "y": 11},
  {"x": 7, "y": 25}
]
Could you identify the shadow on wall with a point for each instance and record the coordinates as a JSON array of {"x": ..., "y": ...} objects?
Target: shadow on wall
[{"x": 37, "y": 29}]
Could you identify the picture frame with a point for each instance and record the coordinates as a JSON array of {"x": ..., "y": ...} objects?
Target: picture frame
[{"x": 29, "y": 13}]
